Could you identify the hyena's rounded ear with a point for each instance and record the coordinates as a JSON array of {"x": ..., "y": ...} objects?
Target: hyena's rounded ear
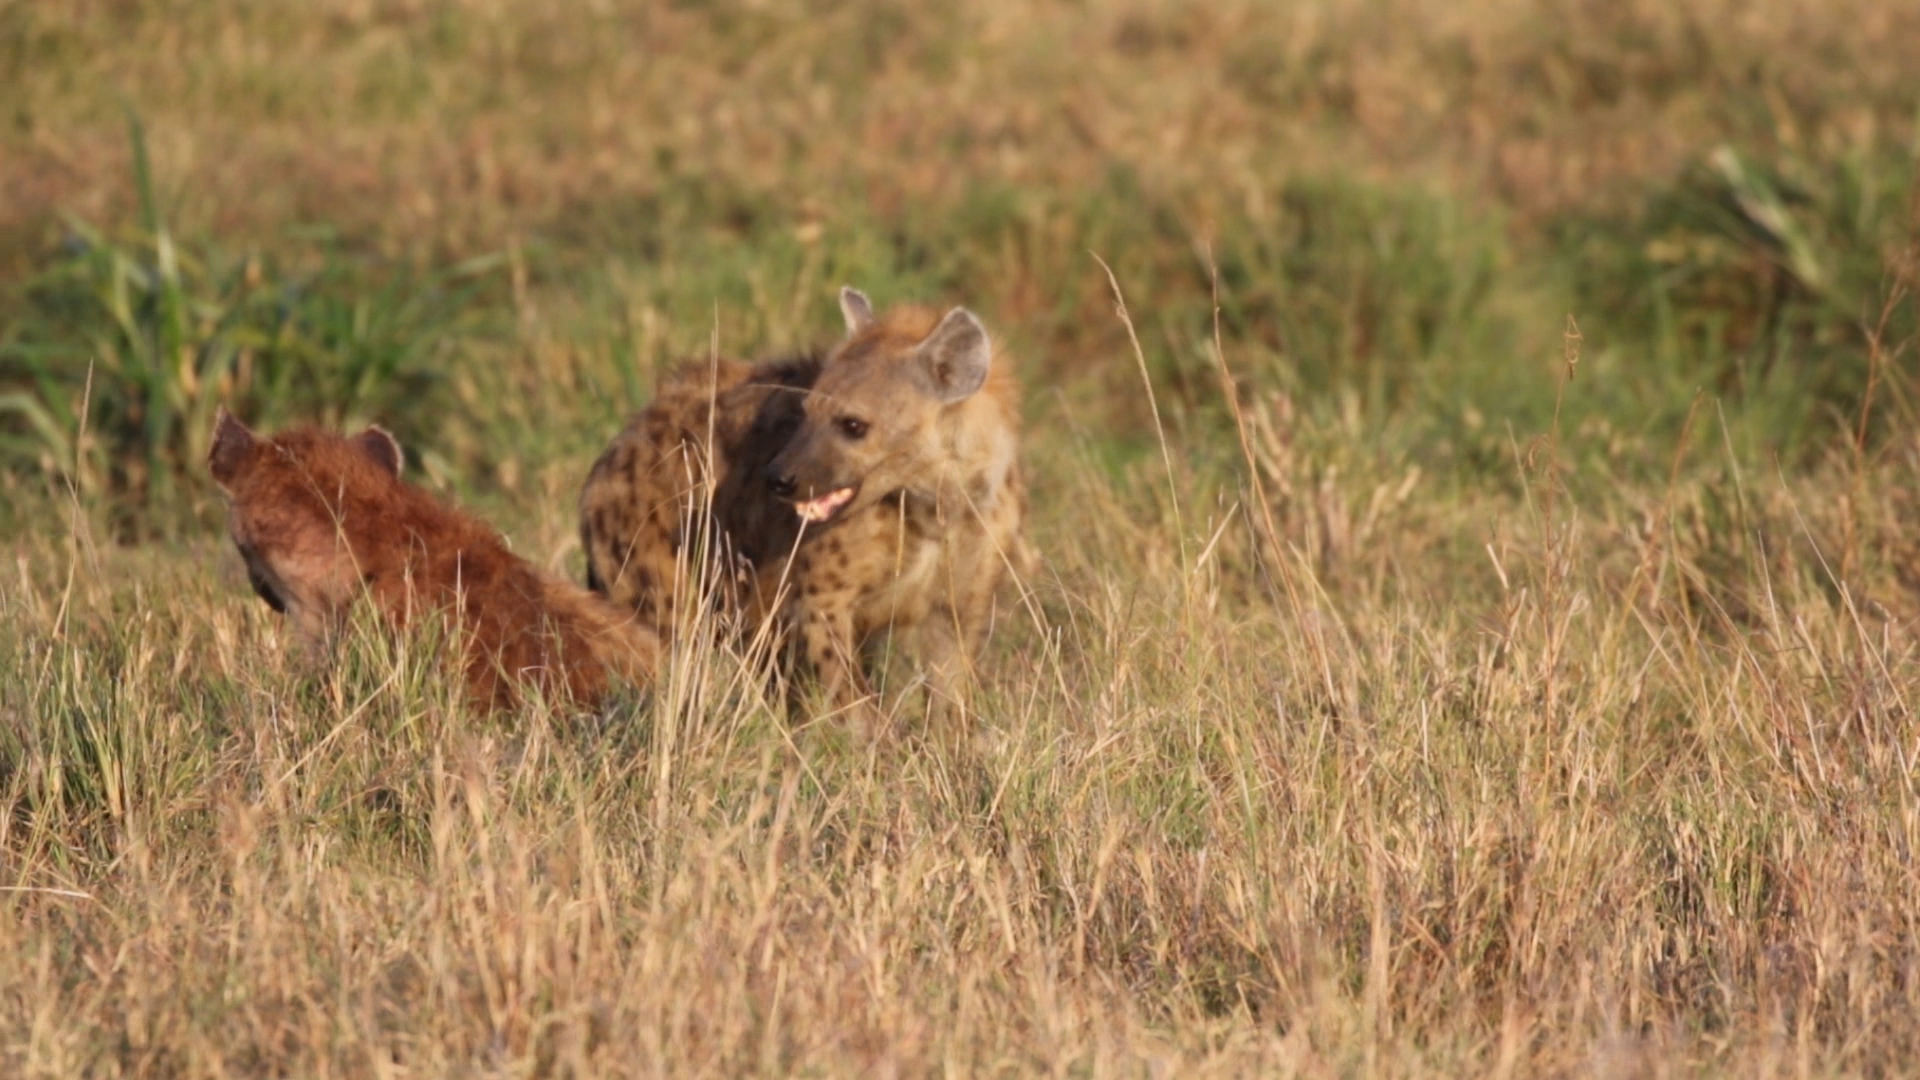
[
  {"x": 856, "y": 309},
  {"x": 379, "y": 444},
  {"x": 952, "y": 363},
  {"x": 231, "y": 443}
]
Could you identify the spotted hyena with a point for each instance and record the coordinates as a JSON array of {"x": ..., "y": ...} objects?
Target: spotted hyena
[
  {"x": 322, "y": 520},
  {"x": 864, "y": 497}
]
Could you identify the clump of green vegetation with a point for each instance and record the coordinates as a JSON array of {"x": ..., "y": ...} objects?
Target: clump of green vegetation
[
  {"x": 120, "y": 351},
  {"x": 1777, "y": 283}
]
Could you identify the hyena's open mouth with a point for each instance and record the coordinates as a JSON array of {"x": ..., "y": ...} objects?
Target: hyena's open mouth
[{"x": 818, "y": 510}]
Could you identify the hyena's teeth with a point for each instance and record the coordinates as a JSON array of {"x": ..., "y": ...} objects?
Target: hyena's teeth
[{"x": 822, "y": 508}]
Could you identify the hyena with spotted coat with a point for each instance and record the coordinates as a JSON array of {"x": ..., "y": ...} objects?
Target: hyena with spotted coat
[{"x": 867, "y": 497}]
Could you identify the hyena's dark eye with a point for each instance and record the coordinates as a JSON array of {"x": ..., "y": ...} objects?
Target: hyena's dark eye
[{"x": 852, "y": 427}]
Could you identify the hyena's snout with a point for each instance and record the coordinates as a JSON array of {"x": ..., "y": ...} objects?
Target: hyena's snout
[
  {"x": 797, "y": 472},
  {"x": 815, "y": 496},
  {"x": 779, "y": 480}
]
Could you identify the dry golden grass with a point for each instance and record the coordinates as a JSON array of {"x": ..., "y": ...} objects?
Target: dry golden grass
[{"x": 1632, "y": 794}]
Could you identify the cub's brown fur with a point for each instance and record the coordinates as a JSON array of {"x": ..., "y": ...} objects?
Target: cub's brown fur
[
  {"x": 322, "y": 519},
  {"x": 866, "y": 496}
]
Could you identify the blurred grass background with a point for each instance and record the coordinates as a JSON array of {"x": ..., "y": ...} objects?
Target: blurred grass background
[
  {"x": 1511, "y": 676},
  {"x": 359, "y": 210}
]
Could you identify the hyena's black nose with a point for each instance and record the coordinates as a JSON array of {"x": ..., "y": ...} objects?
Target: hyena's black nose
[{"x": 778, "y": 482}]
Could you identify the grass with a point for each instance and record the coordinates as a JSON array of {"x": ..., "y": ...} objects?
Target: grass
[
  {"x": 1522, "y": 685},
  {"x": 126, "y": 348}
]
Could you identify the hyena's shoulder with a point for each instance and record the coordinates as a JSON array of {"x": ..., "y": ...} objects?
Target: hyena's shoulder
[
  {"x": 724, "y": 400},
  {"x": 651, "y": 464},
  {"x": 709, "y": 430}
]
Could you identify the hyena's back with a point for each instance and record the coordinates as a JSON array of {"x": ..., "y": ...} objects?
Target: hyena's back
[
  {"x": 710, "y": 430},
  {"x": 323, "y": 521}
]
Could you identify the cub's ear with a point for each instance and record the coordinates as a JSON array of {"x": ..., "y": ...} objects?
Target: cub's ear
[
  {"x": 856, "y": 309},
  {"x": 379, "y": 445},
  {"x": 231, "y": 443},
  {"x": 952, "y": 363}
]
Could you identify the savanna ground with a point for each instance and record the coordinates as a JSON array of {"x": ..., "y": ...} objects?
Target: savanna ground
[{"x": 1482, "y": 643}]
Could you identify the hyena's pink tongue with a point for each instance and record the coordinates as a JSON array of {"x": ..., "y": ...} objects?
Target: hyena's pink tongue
[{"x": 824, "y": 507}]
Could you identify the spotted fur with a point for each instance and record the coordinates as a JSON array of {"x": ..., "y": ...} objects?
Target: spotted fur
[{"x": 903, "y": 437}]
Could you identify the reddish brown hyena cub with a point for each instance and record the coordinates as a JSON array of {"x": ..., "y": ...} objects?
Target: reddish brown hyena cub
[
  {"x": 863, "y": 498},
  {"x": 322, "y": 520}
]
